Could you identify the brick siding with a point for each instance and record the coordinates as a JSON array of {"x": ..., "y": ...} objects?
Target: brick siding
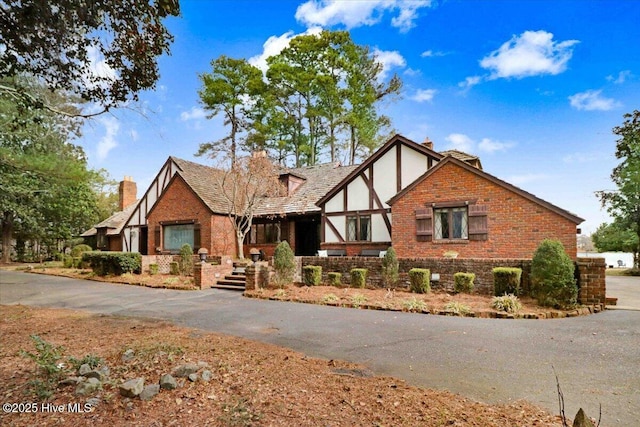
[
  {"x": 179, "y": 203},
  {"x": 516, "y": 225}
]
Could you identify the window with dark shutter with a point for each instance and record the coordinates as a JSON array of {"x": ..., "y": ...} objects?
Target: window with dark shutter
[
  {"x": 424, "y": 224},
  {"x": 478, "y": 229}
]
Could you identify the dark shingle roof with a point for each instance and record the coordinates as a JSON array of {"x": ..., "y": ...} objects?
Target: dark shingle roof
[
  {"x": 319, "y": 179},
  {"x": 205, "y": 182},
  {"x": 465, "y": 157},
  {"x": 114, "y": 223}
]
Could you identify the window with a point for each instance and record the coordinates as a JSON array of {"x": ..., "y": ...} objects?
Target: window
[
  {"x": 177, "y": 235},
  {"x": 267, "y": 233},
  {"x": 359, "y": 228},
  {"x": 101, "y": 239},
  {"x": 450, "y": 223}
]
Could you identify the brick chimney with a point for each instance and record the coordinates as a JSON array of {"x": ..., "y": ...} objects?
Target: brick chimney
[
  {"x": 428, "y": 143},
  {"x": 128, "y": 192}
]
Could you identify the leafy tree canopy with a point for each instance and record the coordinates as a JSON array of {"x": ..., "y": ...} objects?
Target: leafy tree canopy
[
  {"x": 624, "y": 202},
  {"x": 46, "y": 191},
  {"x": 100, "y": 51}
]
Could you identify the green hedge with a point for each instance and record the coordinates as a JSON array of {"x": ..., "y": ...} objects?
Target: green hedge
[
  {"x": 506, "y": 280},
  {"x": 358, "y": 277},
  {"x": 153, "y": 269},
  {"x": 463, "y": 282},
  {"x": 116, "y": 263},
  {"x": 419, "y": 279},
  {"x": 335, "y": 279},
  {"x": 552, "y": 275},
  {"x": 312, "y": 275}
]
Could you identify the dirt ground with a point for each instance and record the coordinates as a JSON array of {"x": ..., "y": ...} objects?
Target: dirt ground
[{"x": 252, "y": 383}]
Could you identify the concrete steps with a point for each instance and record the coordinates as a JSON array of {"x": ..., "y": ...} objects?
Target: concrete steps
[{"x": 236, "y": 281}]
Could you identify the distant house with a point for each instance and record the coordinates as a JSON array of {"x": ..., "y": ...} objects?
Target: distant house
[{"x": 406, "y": 195}]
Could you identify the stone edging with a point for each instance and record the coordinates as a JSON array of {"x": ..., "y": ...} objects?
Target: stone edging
[{"x": 484, "y": 314}]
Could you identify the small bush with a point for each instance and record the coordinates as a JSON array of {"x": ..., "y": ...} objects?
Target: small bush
[
  {"x": 358, "y": 277},
  {"x": 390, "y": 267},
  {"x": 174, "y": 268},
  {"x": 153, "y": 269},
  {"x": 419, "y": 279},
  {"x": 78, "y": 250},
  {"x": 358, "y": 300},
  {"x": 48, "y": 369},
  {"x": 456, "y": 307},
  {"x": 335, "y": 279},
  {"x": 509, "y": 303},
  {"x": 284, "y": 264},
  {"x": 506, "y": 280},
  {"x": 463, "y": 282},
  {"x": 116, "y": 263},
  {"x": 330, "y": 298},
  {"x": 185, "y": 262},
  {"x": 552, "y": 275},
  {"x": 312, "y": 275},
  {"x": 413, "y": 305},
  {"x": 67, "y": 261}
]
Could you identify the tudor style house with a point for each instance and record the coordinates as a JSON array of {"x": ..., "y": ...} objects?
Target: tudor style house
[{"x": 405, "y": 195}]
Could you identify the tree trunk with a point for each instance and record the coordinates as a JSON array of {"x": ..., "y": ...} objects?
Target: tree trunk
[
  {"x": 7, "y": 234},
  {"x": 240, "y": 243}
]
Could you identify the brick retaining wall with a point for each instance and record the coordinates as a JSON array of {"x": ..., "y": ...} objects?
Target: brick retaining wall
[{"x": 589, "y": 270}]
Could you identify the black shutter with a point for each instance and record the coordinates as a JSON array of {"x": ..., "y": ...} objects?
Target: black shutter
[
  {"x": 478, "y": 228},
  {"x": 156, "y": 237},
  {"x": 196, "y": 237},
  {"x": 424, "y": 224}
]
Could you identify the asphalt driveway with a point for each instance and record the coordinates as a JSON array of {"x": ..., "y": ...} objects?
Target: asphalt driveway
[{"x": 597, "y": 358}]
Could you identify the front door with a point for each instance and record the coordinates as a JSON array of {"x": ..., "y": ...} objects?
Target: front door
[{"x": 307, "y": 237}]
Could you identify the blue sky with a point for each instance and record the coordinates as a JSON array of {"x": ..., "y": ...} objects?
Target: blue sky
[{"x": 532, "y": 87}]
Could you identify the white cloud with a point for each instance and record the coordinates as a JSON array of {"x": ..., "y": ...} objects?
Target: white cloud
[
  {"x": 196, "y": 113},
  {"x": 423, "y": 95},
  {"x": 98, "y": 65},
  {"x": 530, "y": 54},
  {"x": 275, "y": 44},
  {"x": 622, "y": 77},
  {"x": 489, "y": 145},
  {"x": 389, "y": 59},
  {"x": 354, "y": 14},
  {"x": 459, "y": 141},
  {"x": 108, "y": 141},
  {"x": 462, "y": 142},
  {"x": 592, "y": 100},
  {"x": 470, "y": 82},
  {"x": 431, "y": 54}
]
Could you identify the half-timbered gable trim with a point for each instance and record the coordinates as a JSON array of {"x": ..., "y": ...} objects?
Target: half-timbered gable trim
[{"x": 358, "y": 202}]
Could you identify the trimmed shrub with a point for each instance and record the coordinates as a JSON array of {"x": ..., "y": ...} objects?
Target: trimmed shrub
[
  {"x": 284, "y": 264},
  {"x": 335, "y": 279},
  {"x": 67, "y": 261},
  {"x": 116, "y": 263},
  {"x": 458, "y": 308},
  {"x": 463, "y": 282},
  {"x": 78, "y": 250},
  {"x": 552, "y": 275},
  {"x": 312, "y": 275},
  {"x": 419, "y": 279},
  {"x": 509, "y": 303},
  {"x": 358, "y": 277},
  {"x": 506, "y": 280},
  {"x": 185, "y": 262},
  {"x": 153, "y": 269},
  {"x": 174, "y": 268},
  {"x": 390, "y": 267}
]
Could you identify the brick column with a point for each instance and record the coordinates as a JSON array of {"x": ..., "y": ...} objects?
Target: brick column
[{"x": 591, "y": 280}]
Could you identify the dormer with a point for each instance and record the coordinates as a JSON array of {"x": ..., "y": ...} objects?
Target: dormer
[{"x": 291, "y": 181}]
